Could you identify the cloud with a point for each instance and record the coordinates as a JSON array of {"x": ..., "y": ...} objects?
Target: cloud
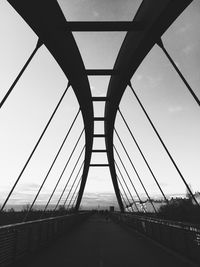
[
  {"x": 163, "y": 184},
  {"x": 97, "y": 178},
  {"x": 188, "y": 49},
  {"x": 21, "y": 198},
  {"x": 138, "y": 77},
  {"x": 175, "y": 109},
  {"x": 154, "y": 81},
  {"x": 95, "y": 14},
  {"x": 184, "y": 28},
  {"x": 31, "y": 186},
  {"x": 94, "y": 199},
  {"x": 96, "y": 92}
]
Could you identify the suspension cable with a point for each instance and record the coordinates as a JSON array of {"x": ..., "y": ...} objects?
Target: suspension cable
[
  {"x": 129, "y": 177},
  {"x": 75, "y": 199},
  {"x": 147, "y": 164},
  {"x": 125, "y": 193},
  {"x": 164, "y": 146},
  {"x": 38, "y": 45},
  {"x": 73, "y": 183},
  {"x": 74, "y": 193},
  {"x": 29, "y": 158},
  {"x": 62, "y": 173},
  {"x": 161, "y": 45},
  {"x": 126, "y": 206},
  {"x": 135, "y": 171},
  {"x": 69, "y": 179},
  {"x": 126, "y": 186},
  {"x": 57, "y": 154}
]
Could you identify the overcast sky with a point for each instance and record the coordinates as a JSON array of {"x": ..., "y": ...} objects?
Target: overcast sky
[{"x": 169, "y": 104}]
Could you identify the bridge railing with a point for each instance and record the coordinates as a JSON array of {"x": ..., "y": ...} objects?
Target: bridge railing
[
  {"x": 21, "y": 239},
  {"x": 180, "y": 237}
]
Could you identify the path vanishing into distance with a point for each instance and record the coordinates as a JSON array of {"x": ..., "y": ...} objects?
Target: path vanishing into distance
[{"x": 99, "y": 242}]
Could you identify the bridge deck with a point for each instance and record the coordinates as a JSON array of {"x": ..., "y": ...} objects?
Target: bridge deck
[{"x": 101, "y": 243}]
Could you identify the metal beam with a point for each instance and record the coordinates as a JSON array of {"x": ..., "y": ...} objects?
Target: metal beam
[
  {"x": 61, "y": 44},
  {"x": 160, "y": 15},
  {"x": 99, "y": 151},
  {"x": 99, "y": 165},
  {"x": 99, "y": 118},
  {"x": 99, "y": 136},
  {"x": 99, "y": 98},
  {"x": 101, "y": 72},
  {"x": 104, "y": 26}
]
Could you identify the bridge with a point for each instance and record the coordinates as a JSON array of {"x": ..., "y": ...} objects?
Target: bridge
[{"x": 131, "y": 232}]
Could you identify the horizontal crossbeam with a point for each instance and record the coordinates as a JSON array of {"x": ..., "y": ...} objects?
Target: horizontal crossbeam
[
  {"x": 104, "y": 26},
  {"x": 99, "y": 118},
  {"x": 99, "y": 151},
  {"x": 101, "y": 72},
  {"x": 99, "y": 135},
  {"x": 99, "y": 98},
  {"x": 99, "y": 165}
]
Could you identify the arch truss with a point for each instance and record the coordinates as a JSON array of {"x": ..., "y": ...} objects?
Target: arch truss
[{"x": 152, "y": 19}]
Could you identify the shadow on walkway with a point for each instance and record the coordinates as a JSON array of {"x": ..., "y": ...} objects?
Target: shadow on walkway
[{"x": 101, "y": 243}]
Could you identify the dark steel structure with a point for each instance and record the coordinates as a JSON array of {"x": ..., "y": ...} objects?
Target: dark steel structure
[{"x": 150, "y": 22}]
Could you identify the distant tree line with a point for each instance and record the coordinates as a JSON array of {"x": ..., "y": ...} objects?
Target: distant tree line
[
  {"x": 180, "y": 209},
  {"x": 11, "y": 216}
]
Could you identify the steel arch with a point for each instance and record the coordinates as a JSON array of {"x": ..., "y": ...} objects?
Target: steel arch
[
  {"x": 48, "y": 22},
  {"x": 156, "y": 16}
]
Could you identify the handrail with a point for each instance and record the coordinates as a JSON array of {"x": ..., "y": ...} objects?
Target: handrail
[
  {"x": 37, "y": 221},
  {"x": 184, "y": 238},
  {"x": 175, "y": 224},
  {"x": 19, "y": 240}
]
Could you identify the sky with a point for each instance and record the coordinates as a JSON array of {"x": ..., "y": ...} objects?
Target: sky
[{"x": 165, "y": 97}]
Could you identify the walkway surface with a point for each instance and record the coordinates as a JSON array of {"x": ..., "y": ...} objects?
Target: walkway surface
[{"x": 101, "y": 243}]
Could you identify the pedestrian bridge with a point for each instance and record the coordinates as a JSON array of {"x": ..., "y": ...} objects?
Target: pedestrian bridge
[
  {"x": 99, "y": 239},
  {"x": 73, "y": 237}
]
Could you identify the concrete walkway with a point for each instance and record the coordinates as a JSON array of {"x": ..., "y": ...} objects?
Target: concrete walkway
[{"x": 101, "y": 243}]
